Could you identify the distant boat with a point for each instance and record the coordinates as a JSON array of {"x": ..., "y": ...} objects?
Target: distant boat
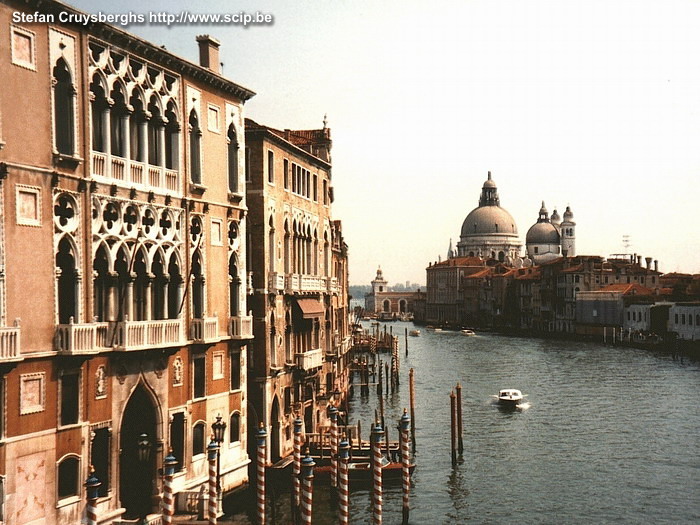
[
  {"x": 509, "y": 397},
  {"x": 414, "y": 333},
  {"x": 466, "y": 331}
]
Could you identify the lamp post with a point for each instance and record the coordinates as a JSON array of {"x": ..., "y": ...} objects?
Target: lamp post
[
  {"x": 143, "y": 449},
  {"x": 219, "y": 428},
  {"x": 92, "y": 485}
]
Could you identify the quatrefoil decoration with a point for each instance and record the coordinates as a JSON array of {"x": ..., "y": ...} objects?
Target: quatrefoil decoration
[
  {"x": 65, "y": 216},
  {"x": 232, "y": 235},
  {"x": 195, "y": 230},
  {"x": 165, "y": 223},
  {"x": 110, "y": 216},
  {"x": 131, "y": 219},
  {"x": 148, "y": 222}
]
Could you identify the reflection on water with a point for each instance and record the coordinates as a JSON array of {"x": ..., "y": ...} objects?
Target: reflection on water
[{"x": 607, "y": 434}]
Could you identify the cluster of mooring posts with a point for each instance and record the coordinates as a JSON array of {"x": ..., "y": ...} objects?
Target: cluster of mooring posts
[
  {"x": 340, "y": 456},
  {"x": 93, "y": 483},
  {"x": 457, "y": 445}
]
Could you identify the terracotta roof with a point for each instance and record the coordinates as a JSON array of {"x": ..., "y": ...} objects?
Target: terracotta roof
[
  {"x": 628, "y": 289},
  {"x": 478, "y": 275},
  {"x": 461, "y": 261},
  {"x": 573, "y": 269}
]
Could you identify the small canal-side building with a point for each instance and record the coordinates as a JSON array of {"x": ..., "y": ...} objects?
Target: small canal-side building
[
  {"x": 299, "y": 280},
  {"x": 384, "y": 301},
  {"x": 123, "y": 282}
]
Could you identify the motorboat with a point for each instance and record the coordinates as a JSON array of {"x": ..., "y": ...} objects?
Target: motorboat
[
  {"x": 414, "y": 333},
  {"x": 509, "y": 397},
  {"x": 466, "y": 331}
]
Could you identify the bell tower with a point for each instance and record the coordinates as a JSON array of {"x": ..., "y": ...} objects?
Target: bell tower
[{"x": 568, "y": 233}]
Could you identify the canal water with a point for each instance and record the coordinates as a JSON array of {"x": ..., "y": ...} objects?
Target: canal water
[{"x": 608, "y": 435}]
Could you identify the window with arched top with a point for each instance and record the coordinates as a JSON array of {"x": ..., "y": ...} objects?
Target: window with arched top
[
  {"x": 232, "y": 151},
  {"x": 195, "y": 136},
  {"x": 198, "y": 438},
  {"x": 63, "y": 108},
  {"x": 68, "y": 477},
  {"x": 235, "y": 428}
]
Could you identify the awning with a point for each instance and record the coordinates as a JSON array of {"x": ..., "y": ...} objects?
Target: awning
[{"x": 310, "y": 308}]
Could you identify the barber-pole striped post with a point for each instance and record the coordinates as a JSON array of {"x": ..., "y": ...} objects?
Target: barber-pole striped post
[
  {"x": 307, "y": 494},
  {"x": 377, "y": 434},
  {"x": 212, "y": 449},
  {"x": 343, "y": 488},
  {"x": 262, "y": 438},
  {"x": 168, "y": 471},
  {"x": 405, "y": 463},
  {"x": 92, "y": 484},
  {"x": 334, "y": 446},
  {"x": 296, "y": 466}
]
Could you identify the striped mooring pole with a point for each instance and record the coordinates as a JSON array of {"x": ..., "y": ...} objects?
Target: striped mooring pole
[
  {"x": 92, "y": 485},
  {"x": 405, "y": 425},
  {"x": 307, "y": 494},
  {"x": 296, "y": 467},
  {"x": 168, "y": 470},
  {"x": 343, "y": 488},
  {"x": 212, "y": 449},
  {"x": 377, "y": 434},
  {"x": 334, "y": 446},
  {"x": 262, "y": 437}
]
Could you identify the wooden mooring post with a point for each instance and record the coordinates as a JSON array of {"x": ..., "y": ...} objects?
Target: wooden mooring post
[
  {"x": 453, "y": 427},
  {"x": 412, "y": 402},
  {"x": 460, "y": 443}
]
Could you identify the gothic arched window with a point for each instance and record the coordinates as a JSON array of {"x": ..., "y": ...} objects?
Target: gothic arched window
[
  {"x": 63, "y": 104},
  {"x": 232, "y": 150},
  {"x": 195, "y": 148}
]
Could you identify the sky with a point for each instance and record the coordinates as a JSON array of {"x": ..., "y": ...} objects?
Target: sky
[{"x": 592, "y": 104}]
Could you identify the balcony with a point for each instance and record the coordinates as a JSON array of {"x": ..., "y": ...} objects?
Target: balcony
[
  {"x": 310, "y": 359},
  {"x": 292, "y": 283},
  {"x": 133, "y": 173},
  {"x": 240, "y": 327},
  {"x": 76, "y": 338},
  {"x": 275, "y": 282},
  {"x": 205, "y": 330},
  {"x": 333, "y": 285},
  {"x": 143, "y": 335},
  {"x": 9, "y": 344}
]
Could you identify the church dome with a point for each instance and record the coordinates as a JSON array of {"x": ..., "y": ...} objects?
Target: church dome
[
  {"x": 543, "y": 231},
  {"x": 488, "y": 220}
]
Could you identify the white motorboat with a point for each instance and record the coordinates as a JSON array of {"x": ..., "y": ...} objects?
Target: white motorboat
[
  {"x": 466, "y": 331},
  {"x": 509, "y": 397},
  {"x": 414, "y": 333}
]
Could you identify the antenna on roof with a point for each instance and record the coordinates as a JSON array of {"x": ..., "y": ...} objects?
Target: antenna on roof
[{"x": 626, "y": 242}]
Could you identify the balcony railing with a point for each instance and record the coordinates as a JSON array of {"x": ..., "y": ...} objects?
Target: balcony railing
[
  {"x": 292, "y": 283},
  {"x": 240, "y": 327},
  {"x": 77, "y": 339},
  {"x": 134, "y": 173},
  {"x": 205, "y": 330},
  {"x": 9, "y": 343},
  {"x": 142, "y": 335},
  {"x": 276, "y": 281},
  {"x": 333, "y": 285},
  {"x": 310, "y": 359}
]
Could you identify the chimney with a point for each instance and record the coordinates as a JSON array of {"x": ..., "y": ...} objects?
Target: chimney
[
  {"x": 209, "y": 53},
  {"x": 639, "y": 260},
  {"x": 648, "y": 260},
  {"x": 656, "y": 265}
]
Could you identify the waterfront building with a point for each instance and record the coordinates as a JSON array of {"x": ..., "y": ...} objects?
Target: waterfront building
[
  {"x": 298, "y": 362},
  {"x": 603, "y": 309},
  {"x": 123, "y": 308},
  {"x": 444, "y": 301},
  {"x": 383, "y": 300},
  {"x": 684, "y": 320}
]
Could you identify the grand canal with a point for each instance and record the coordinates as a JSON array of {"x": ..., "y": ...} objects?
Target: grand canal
[{"x": 609, "y": 435}]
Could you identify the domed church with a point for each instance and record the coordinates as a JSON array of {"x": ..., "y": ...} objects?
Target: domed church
[
  {"x": 550, "y": 238},
  {"x": 489, "y": 231}
]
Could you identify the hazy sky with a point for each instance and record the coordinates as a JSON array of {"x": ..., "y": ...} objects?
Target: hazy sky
[{"x": 592, "y": 104}]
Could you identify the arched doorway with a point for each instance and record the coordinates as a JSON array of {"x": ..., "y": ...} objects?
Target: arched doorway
[
  {"x": 387, "y": 305},
  {"x": 275, "y": 431},
  {"x": 136, "y": 476},
  {"x": 402, "y": 306}
]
